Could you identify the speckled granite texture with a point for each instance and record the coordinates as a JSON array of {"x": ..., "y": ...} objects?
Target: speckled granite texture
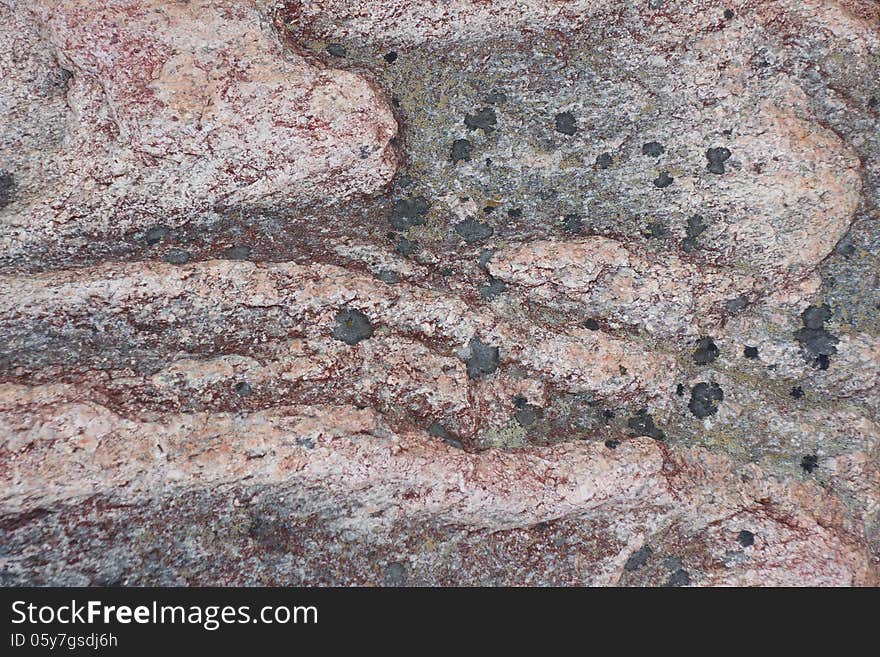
[{"x": 547, "y": 292}]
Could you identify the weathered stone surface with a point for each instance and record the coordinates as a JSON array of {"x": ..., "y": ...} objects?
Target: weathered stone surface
[{"x": 465, "y": 292}]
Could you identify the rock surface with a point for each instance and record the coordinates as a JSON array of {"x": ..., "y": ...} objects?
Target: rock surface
[{"x": 350, "y": 292}]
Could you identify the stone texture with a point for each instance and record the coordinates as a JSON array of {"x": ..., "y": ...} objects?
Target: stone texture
[{"x": 409, "y": 293}]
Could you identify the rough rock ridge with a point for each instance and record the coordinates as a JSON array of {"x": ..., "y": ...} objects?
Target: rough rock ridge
[{"x": 467, "y": 292}]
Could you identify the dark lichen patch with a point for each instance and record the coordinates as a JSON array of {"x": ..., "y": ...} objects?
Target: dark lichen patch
[
  {"x": 746, "y": 538},
  {"x": 736, "y": 305},
  {"x": 395, "y": 574},
  {"x": 439, "y": 431},
  {"x": 680, "y": 577},
  {"x": 728, "y": 14},
  {"x": 612, "y": 444},
  {"x": 390, "y": 57},
  {"x": 471, "y": 230},
  {"x": 797, "y": 392},
  {"x": 485, "y": 257},
  {"x": 663, "y": 180},
  {"x": 514, "y": 213},
  {"x": 809, "y": 463},
  {"x": 717, "y": 157},
  {"x": 695, "y": 227},
  {"x": 336, "y": 50},
  {"x": 705, "y": 398},
  {"x": 406, "y": 247},
  {"x": 352, "y": 326},
  {"x": 706, "y": 351},
  {"x": 814, "y": 317},
  {"x": 243, "y": 389},
  {"x": 527, "y": 415},
  {"x": 565, "y": 123},
  {"x": 7, "y": 188},
  {"x": 591, "y": 324},
  {"x": 485, "y": 120},
  {"x": 237, "y": 253},
  {"x": 409, "y": 212},
  {"x": 156, "y": 234},
  {"x": 816, "y": 342},
  {"x": 462, "y": 149},
  {"x": 483, "y": 360},
  {"x": 604, "y": 160},
  {"x": 642, "y": 424},
  {"x": 679, "y": 389},
  {"x": 177, "y": 257},
  {"x": 492, "y": 288},
  {"x": 572, "y": 223},
  {"x": 496, "y": 98},
  {"x": 653, "y": 149},
  {"x": 750, "y": 352},
  {"x": 638, "y": 559},
  {"x": 873, "y": 103},
  {"x": 388, "y": 276}
]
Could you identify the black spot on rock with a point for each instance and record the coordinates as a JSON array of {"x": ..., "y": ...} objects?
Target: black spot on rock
[
  {"x": 352, "y": 326},
  {"x": 603, "y": 160},
  {"x": 527, "y": 415},
  {"x": 706, "y": 351},
  {"x": 591, "y": 324},
  {"x": 484, "y": 120},
  {"x": 797, "y": 392},
  {"x": 817, "y": 343},
  {"x": 406, "y": 247},
  {"x": 462, "y": 150},
  {"x": 814, "y": 317},
  {"x": 496, "y": 97},
  {"x": 514, "y": 213},
  {"x": 471, "y": 230},
  {"x": 483, "y": 360},
  {"x": 663, "y": 180},
  {"x": 638, "y": 559},
  {"x": 680, "y": 577},
  {"x": 695, "y": 228},
  {"x": 176, "y": 257},
  {"x": 492, "y": 288},
  {"x": 336, "y": 50},
  {"x": 642, "y": 423},
  {"x": 679, "y": 390},
  {"x": 733, "y": 306},
  {"x": 485, "y": 257},
  {"x": 156, "y": 234},
  {"x": 750, "y": 352},
  {"x": 653, "y": 149},
  {"x": 746, "y": 538},
  {"x": 237, "y": 253},
  {"x": 717, "y": 157},
  {"x": 565, "y": 123},
  {"x": 873, "y": 103},
  {"x": 395, "y": 574},
  {"x": 608, "y": 414},
  {"x": 728, "y": 14},
  {"x": 7, "y": 188},
  {"x": 572, "y": 223},
  {"x": 439, "y": 431},
  {"x": 409, "y": 212},
  {"x": 809, "y": 463},
  {"x": 612, "y": 444},
  {"x": 390, "y": 57},
  {"x": 388, "y": 276},
  {"x": 704, "y": 399},
  {"x": 243, "y": 389}
]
